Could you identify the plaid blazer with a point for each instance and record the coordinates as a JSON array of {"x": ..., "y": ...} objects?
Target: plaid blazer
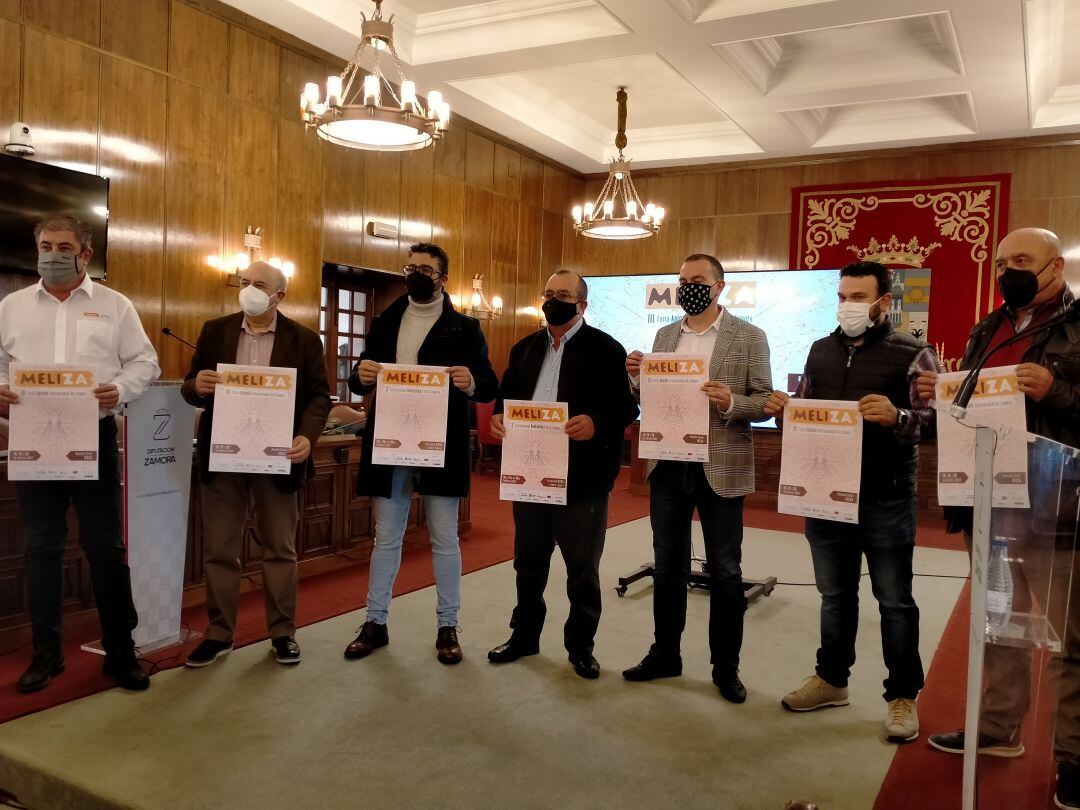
[{"x": 740, "y": 359}]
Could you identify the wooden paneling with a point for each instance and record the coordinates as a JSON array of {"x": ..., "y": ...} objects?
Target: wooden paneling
[
  {"x": 343, "y": 203},
  {"x": 254, "y": 69},
  {"x": 696, "y": 235},
  {"x": 10, "y": 70},
  {"x": 198, "y": 47},
  {"x": 479, "y": 161},
  {"x": 551, "y": 245},
  {"x": 450, "y": 153},
  {"x": 382, "y": 201},
  {"x": 532, "y": 182},
  {"x": 447, "y": 219},
  {"x": 529, "y": 281},
  {"x": 1064, "y": 172},
  {"x": 502, "y": 278},
  {"x": 137, "y": 29},
  {"x": 76, "y": 19},
  {"x": 737, "y": 192},
  {"x": 736, "y": 241},
  {"x": 60, "y": 96},
  {"x": 774, "y": 188},
  {"x": 11, "y": 9},
  {"x": 507, "y": 174},
  {"x": 479, "y": 205},
  {"x": 697, "y": 195},
  {"x": 555, "y": 191},
  {"x": 298, "y": 224}
]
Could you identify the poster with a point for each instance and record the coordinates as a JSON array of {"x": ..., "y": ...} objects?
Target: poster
[
  {"x": 674, "y": 409},
  {"x": 254, "y": 408},
  {"x": 998, "y": 403},
  {"x": 410, "y": 426},
  {"x": 53, "y": 432},
  {"x": 822, "y": 462},
  {"x": 535, "y": 452}
]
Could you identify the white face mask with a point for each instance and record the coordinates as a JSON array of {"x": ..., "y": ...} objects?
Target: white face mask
[
  {"x": 854, "y": 317},
  {"x": 253, "y": 301}
]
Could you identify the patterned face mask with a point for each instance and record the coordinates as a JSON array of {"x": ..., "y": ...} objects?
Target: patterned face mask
[{"x": 694, "y": 298}]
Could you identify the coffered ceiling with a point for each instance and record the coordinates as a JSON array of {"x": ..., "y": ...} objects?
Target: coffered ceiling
[{"x": 717, "y": 80}]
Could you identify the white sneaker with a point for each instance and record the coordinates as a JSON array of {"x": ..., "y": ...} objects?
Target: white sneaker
[
  {"x": 902, "y": 721},
  {"x": 815, "y": 693}
]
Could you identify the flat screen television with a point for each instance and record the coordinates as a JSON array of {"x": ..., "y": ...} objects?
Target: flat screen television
[{"x": 31, "y": 191}]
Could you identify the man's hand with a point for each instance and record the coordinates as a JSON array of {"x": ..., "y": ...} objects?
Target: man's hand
[
  {"x": 368, "y": 371},
  {"x": 877, "y": 408},
  {"x": 7, "y": 399},
  {"x": 633, "y": 364},
  {"x": 461, "y": 377},
  {"x": 498, "y": 429},
  {"x": 580, "y": 428},
  {"x": 108, "y": 396},
  {"x": 927, "y": 385},
  {"x": 300, "y": 450},
  {"x": 718, "y": 393},
  {"x": 1034, "y": 380},
  {"x": 205, "y": 381},
  {"x": 774, "y": 405}
]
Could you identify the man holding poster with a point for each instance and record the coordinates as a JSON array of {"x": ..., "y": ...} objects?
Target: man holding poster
[
  {"x": 60, "y": 330},
  {"x": 428, "y": 361},
  {"x": 865, "y": 361},
  {"x": 569, "y": 370},
  {"x": 261, "y": 378}
]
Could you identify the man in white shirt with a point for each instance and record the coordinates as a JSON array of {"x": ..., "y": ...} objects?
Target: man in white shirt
[{"x": 67, "y": 318}]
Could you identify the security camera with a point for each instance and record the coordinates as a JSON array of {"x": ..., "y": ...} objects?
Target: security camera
[{"x": 19, "y": 140}]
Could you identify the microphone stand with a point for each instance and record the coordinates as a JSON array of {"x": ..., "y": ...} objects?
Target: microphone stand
[{"x": 167, "y": 331}]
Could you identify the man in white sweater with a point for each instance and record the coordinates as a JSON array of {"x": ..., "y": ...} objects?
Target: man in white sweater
[{"x": 421, "y": 327}]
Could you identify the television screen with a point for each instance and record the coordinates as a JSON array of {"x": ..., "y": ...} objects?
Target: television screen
[
  {"x": 793, "y": 307},
  {"x": 31, "y": 191}
]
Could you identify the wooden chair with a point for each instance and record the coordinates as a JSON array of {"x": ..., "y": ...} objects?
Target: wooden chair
[{"x": 487, "y": 443}]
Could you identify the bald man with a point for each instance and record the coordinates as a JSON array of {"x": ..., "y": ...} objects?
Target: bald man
[
  {"x": 259, "y": 335},
  {"x": 1030, "y": 273}
]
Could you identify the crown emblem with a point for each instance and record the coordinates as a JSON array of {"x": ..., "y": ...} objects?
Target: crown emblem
[{"x": 893, "y": 252}]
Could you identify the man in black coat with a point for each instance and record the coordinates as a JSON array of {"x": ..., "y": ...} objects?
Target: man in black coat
[
  {"x": 574, "y": 363},
  {"x": 421, "y": 328}
]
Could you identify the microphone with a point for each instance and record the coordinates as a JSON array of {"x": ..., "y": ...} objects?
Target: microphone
[
  {"x": 167, "y": 331},
  {"x": 1071, "y": 314}
]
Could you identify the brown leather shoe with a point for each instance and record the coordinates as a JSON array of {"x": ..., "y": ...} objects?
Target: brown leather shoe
[
  {"x": 447, "y": 645},
  {"x": 370, "y": 638}
]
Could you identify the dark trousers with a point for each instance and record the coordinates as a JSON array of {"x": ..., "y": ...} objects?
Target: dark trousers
[
  {"x": 677, "y": 489},
  {"x": 44, "y": 506},
  {"x": 578, "y": 529},
  {"x": 885, "y": 533}
]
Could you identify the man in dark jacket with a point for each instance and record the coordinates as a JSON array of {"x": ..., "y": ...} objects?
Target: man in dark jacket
[
  {"x": 574, "y": 363},
  {"x": 1031, "y": 276},
  {"x": 257, "y": 336},
  {"x": 421, "y": 328},
  {"x": 866, "y": 361}
]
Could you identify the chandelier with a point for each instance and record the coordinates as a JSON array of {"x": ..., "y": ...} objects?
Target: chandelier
[
  {"x": 365, "y": 111},
  {"x": 598, "y": 219}
]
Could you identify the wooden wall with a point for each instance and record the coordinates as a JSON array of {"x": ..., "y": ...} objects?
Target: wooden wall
[{"x": 191, "y": 108}]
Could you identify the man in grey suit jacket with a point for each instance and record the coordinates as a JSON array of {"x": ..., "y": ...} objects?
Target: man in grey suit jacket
[{"x": 739, "y": 383}]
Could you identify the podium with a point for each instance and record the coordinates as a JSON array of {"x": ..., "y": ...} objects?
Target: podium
[{"x": 1024, "y": 645}]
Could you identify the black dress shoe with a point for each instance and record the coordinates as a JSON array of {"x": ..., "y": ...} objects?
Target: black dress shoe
[
  {"x": 370, "y": 638},
  {"x": 652, "y": 666},
  {"x": 586, "y": 666},
  {"x": 285, "y": 650},
  {"x": 41, "y": 670},
  {"x": 127, "y": 674},
  {"x": 511, "y": 651},
  {"x": 731, "y": 688}
]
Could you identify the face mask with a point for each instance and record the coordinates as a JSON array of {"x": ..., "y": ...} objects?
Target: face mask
[
  {"x": 558, "y": 312},
  {"x": 854, "y": 317},
  {"x": 57, "y": 268},
  {"x": 694, "y": 298},
  {"x": 421, "y": 288},
  {"x": 254, "y": 301},
  {"x": 1019, "y": 287}
]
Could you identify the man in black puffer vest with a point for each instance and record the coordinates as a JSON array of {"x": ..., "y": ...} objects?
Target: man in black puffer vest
[{"x": 865, "y": 360}]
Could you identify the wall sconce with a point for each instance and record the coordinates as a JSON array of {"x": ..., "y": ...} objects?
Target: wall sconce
[
  {"x": 252, "y": 252},
  {"x": 479, "y": 307}
]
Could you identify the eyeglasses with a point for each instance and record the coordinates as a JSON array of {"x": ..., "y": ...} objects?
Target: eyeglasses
[
  {"x": 561, "y": 295},
  {"x": 428, "y": 271}
]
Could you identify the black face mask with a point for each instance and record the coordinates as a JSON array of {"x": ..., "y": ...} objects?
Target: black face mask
[
  {"x": 421, "y": 288},
  {"x": 1019, "y": 287},
  {"x": 558, "y": 312},
  {"x": 694, "y": 298}
]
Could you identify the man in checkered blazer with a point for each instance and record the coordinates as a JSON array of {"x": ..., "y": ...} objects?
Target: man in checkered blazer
[{"x": 740, "y": 381}]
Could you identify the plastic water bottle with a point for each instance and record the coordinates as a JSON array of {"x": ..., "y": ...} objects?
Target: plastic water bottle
[{"x": 999, "y": 585}]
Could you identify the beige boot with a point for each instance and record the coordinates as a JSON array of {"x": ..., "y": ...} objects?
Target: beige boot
[
  {"x": 815, "y": 693},
  {"x": 902, "y": 721}
]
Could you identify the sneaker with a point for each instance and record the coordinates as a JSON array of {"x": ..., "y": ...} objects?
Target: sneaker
[
  {"x": 902, "y": 721},
  {"x": 285, "y": 650},
  {"x": 1067, "y": 795},
  {"x": 953, "y": 743},
  {"x": 208, "y": 652},
  {"x": 446, "y": 642},
  {"x": 815, "y": 693},
  {"x": 370, "y": 637}
]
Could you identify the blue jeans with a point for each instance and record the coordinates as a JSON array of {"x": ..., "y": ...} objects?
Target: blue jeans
[
  {"x": 391, "y": 517},
  {"x": 885, "y": 533}
]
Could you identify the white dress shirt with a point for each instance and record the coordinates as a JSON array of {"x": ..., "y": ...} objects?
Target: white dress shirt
[
  {"x": 547, "y": 382},
  {"x": 93, "y": 325}
]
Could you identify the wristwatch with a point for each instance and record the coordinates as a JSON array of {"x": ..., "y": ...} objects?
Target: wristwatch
[{"x": 903, "y": 419}]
